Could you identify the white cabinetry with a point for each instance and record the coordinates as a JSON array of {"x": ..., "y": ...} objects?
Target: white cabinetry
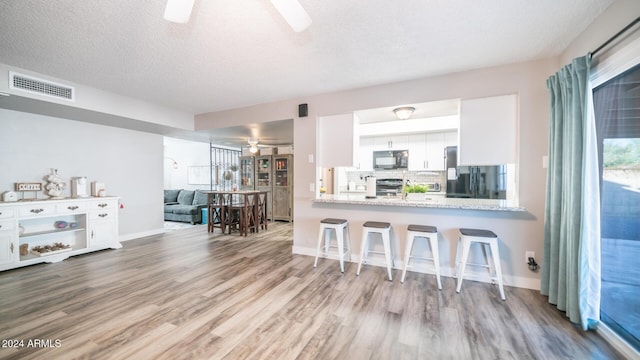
[
  {"x": 451, "y": 138},
  {"x": 365, "y": 154},
  {"x": 417, "y": 152},
  {"x": 338, "y": 140},
  {"x": 379, "y": 143},
  {"x": 8, "y": 246},
  {"x": 435, "y": 148},
  {"x": 426, "y": 151},
  {"x": 435, "y": 151},
  {"x": 53, "y": 230},
  {"x": 488, "y": 131},
  {"x": 396, "y": 142},
  {"x": 102, "y": 223}
]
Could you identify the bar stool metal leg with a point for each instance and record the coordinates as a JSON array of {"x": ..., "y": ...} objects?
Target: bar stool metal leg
[
  {"x": 429, "y": 233},
  {"x": 363, "y": 251},
  {"x": 384, "y": 229},
  {"x": 496, "y": 265},
  {"x": 407, "y": 254},
  {"x": 341, "y": 229},
  {"x": 463, "y": 262},
  {"x": 484, "y": 238},
  {"x": 386, "y": 242}
]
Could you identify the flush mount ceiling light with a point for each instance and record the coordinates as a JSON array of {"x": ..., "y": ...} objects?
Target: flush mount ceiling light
[
  {"x": 178, "y": 11},
  {"x": 293, "y": 13},
  {"x": 403, "y": 113}
]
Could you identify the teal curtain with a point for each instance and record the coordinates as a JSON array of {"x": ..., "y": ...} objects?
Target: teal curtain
[{"x": 570, "y": 271}]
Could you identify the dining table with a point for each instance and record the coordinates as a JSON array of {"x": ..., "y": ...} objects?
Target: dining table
[{"x": 245, "y": 208}]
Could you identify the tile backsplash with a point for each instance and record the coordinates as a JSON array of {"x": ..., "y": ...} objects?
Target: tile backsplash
[{"x": 416, "y": 177}]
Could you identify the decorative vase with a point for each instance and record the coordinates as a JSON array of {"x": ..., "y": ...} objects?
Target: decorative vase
[{"x": 55, "y": 185}]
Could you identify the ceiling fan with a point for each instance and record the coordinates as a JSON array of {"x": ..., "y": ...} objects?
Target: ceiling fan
[
  {"x": 179, "y": 11},
  {"x": 254, "y": 145}
]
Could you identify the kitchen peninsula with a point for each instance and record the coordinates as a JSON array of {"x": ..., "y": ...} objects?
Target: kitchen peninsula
[{"x": 436, "y": 202}]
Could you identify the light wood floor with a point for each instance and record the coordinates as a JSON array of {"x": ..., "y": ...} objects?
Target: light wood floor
[{"x": 190, "y": 295}]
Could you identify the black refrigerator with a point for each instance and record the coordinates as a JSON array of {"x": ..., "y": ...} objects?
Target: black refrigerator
[{"x": 479, "y": 182}]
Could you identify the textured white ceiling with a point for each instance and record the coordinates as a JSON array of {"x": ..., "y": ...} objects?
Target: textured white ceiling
[{"x": 241, "y": 52}]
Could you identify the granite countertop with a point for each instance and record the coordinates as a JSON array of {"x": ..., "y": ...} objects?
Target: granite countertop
[{"x": 435, "y": 202}]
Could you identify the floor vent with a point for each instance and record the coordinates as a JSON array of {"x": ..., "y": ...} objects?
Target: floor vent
[{"x": 41, "y": 87}]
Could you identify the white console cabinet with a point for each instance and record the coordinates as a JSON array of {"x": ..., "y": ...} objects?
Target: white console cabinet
[{"x": 39, "y": 231}]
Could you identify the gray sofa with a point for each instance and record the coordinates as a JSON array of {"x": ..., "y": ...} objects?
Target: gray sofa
[{"x": 184, "y": 205}]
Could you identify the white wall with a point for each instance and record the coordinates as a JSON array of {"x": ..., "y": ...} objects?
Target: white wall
[
  {"x": 519, "y": 232},
  {"x": 117, "y": 109},
  {"x": 185, "y": 153},
  {"x": 128, "y": 162},
  {"x": 617, "y": 16}
]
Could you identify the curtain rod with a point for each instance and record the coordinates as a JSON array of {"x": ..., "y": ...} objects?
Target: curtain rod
[{"x": 615, "y": 36}]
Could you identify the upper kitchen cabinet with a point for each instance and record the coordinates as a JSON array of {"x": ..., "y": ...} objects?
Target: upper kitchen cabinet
[
  {"x": 488, "y": 131},
  {"x": 426, "y": 151},
  {"x": 338, "y": 140},
  {"x": 436, "y": 142},
  {"x": 417, "y": 152},
  {"x": 396, "y": 142},
  {"x": 365, "y": 154},
  {"x": 451, "y": 138}
]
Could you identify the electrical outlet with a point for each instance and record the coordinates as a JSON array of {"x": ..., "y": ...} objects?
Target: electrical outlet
[{"x": 527, "y": 255}]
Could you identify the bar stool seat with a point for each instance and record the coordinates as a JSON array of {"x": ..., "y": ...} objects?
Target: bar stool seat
[
  {"x": 376, "y": 227},
  {"x": 341, "y": 228},
  {"x": 484, "y": 238},
  {"x": 431, "y": 234}
]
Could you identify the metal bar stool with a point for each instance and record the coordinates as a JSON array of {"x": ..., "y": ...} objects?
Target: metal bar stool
[
  {"x": 375, "y": 227},
  {"x": 484, "y": 238},
  {"x": 341, "y": 228},
  {"x": 430, "y": 233}
]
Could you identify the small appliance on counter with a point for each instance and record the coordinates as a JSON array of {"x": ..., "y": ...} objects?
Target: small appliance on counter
[
  {"x": 388, "y": 187},
  {"x": 98, "y": 189},
  {"x": 79, "y": 187},
  {"x": 371, "y": 187}
]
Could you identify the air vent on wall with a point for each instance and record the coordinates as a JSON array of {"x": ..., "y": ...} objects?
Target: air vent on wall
[{"x": 41, "y": 87}]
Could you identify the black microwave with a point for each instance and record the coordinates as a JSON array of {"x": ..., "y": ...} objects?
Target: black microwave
[{"x": 390, "y": 159}]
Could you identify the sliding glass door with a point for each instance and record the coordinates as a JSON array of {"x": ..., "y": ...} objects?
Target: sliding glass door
[{"x": 617, "y": 112}]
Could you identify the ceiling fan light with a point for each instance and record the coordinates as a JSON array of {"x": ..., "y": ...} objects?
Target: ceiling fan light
[
  {"x": 178, "y": 11},
  {"x": 293, "y": 13},
  {"x": 253, "y": 149},
  {"x": 403, "y": 113}
]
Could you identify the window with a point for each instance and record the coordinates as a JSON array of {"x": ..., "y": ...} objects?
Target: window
[{"x": 617, "y": 114}]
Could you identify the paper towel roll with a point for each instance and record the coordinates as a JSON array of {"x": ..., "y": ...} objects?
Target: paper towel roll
[{"x": 371, "y": 187}]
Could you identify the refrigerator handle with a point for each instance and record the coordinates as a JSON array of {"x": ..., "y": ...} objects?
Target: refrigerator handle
[{"x": 473, "y": 180}]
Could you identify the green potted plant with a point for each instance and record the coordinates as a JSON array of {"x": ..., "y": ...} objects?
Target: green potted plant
[
  {"x": 231, "y": 169},
  {"x": 415, "y": 192}
]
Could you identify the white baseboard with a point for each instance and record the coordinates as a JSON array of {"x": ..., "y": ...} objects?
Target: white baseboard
[
  {"x": 617, "y": 342},
  {"x": 137, "y": 235},
  {"x": 516, "y": 281}
]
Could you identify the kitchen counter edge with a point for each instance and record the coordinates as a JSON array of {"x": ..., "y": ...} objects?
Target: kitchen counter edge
[{"x": 444, "y": 203}]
